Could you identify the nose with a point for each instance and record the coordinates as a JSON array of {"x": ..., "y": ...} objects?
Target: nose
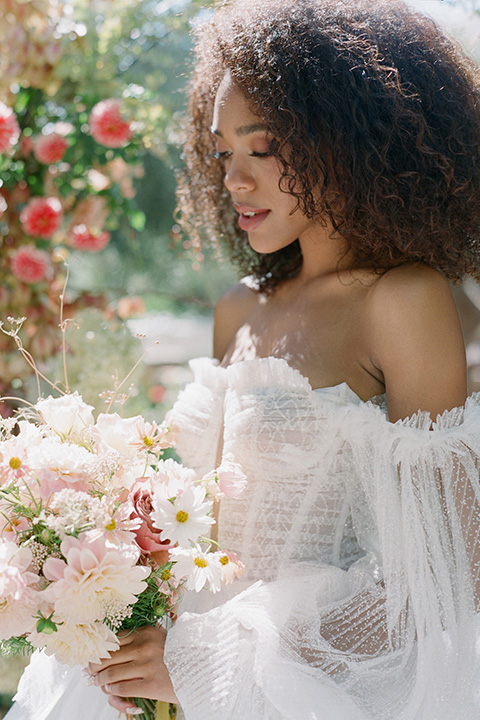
[{"x": 238, "y": 176}]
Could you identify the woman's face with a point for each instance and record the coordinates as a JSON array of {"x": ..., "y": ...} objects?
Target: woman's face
[{"x": 266, "y": 213}]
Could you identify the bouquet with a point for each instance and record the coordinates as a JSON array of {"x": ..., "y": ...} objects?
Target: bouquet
[{"x": 101, "y": 531}]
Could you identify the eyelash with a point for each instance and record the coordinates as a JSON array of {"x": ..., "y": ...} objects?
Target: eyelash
[{"x": 226, "y": 154}]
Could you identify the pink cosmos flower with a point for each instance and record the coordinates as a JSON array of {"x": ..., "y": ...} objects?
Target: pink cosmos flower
[
  {"x": 228, "y": 479},
  {"x": 107, "y": 126},
  {"x": 9, "y": 129},
  {"x": 42, "y": 216},
  {"x": 29, "y": 264},
  {"x": 50, "y": 149},
  {"x": 148, "y": 536},
  {"x": 88, "y": 239}
]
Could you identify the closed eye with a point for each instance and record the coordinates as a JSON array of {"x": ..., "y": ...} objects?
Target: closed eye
[{"x": 260, "y": 155}]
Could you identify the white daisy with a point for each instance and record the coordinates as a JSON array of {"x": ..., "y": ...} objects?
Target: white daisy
[
  {"x": 198, "y": 567},
  {"x": 184, "y": 518}
]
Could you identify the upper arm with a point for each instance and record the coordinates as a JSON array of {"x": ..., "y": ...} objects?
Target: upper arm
[
  {"x": 417, "y": 342},
  {"x": 231, "y": 312}
]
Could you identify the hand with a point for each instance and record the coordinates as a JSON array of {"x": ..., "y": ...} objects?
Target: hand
[{"x": 136, "y": 669}]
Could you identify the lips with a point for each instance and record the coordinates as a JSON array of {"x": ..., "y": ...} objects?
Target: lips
[{"x": 250, "y": 217}]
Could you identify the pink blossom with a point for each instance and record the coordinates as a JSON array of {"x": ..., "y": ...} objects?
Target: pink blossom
[
  {"x": 88, "y": 239},
  {"x": 148, "y": 536},
  {"x": 228, "y": 479},
  {"x": 29, "y": 264},
  {"x": 42, "y": 216},
  {"x": 94, "y": 575},
  {"x": 19, "y": 600},
  {"x": 9, "y": 129},
  {"x": 50, "y": 148},
  {"x": 107, "y": 126}
]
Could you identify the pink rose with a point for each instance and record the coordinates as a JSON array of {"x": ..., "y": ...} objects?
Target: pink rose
[
  {"x": 41, "y": 216},
  {"x": 50, "y": 149},
  {"x": 107, "y": 125},
  {"x": 9, "y": 129},
  {"x": 29, "y": 264},
  {"x": 148, "y": 536},
  {"x": 228, "y": 479},
  {"x": 84, "y": 238}
]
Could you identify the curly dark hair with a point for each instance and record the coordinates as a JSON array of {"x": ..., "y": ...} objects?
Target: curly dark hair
[{"x": 376, "y": 120}]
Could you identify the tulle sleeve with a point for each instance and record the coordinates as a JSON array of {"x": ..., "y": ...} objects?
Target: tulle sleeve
[{"x": 395, "y": 636}]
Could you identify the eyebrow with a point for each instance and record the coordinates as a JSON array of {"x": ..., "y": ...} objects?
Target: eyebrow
[{"x": 244, "y": 129}]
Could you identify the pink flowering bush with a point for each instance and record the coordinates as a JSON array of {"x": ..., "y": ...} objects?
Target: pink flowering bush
[
  {"x": 29, "y": 264},
  {"x": 107, "y": 125},
  {"x": 88, "y": 239},
  {"x": 42, "y": 217},
  {"x": 9, "y": 129},
  {"x": 49, "y": 149}
]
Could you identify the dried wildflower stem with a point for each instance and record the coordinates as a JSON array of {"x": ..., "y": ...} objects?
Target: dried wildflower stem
[
  {"x": 63, "y": 329},
  {"x": 30, "y": 361},
  {"x": 117, "y": 387}
]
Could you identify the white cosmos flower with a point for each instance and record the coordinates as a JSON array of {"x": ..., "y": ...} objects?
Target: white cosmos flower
[
  {"x": 198, "y": 567},
  {"x": 184, "y": 518},
  {"x": 77, "y": 644},
  {"x": 67, "y": 414}
]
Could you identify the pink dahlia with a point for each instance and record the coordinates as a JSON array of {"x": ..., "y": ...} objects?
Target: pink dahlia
[
  {"x": 107, "y": 125},
  {"x": 9, "y": 130},
  {"x": 42, "y": 216},
  {"x": 50, "y": 149},
  {"x": 29, "y": 264},
  {"x": 88, "y": 239}
]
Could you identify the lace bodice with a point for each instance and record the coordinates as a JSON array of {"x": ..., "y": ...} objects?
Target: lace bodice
[{"x": 286, "y": 437}]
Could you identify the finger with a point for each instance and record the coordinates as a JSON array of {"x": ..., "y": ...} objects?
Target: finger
[
  {"x": 117, "y": 673},
  {"x": 128, "y": 689},
  {"x": 124, "y": 706},
  {"x": 126, "y": 637}
]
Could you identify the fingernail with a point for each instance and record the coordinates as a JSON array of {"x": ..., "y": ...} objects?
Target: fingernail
[
  {"x": 91, "y": 679},
  {"x": 134, "y": 711}
]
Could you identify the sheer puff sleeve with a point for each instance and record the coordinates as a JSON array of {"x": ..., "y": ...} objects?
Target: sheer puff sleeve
[{"x": 395, "y": 636}]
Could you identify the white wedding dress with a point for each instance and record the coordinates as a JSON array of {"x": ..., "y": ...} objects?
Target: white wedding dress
[{"x": 362, "y": 545}]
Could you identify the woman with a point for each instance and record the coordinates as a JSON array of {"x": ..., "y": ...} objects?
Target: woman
[{"x": 335, "y": 146}]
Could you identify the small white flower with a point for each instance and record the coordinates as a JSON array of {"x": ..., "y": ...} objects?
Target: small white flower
[
  {"x": 184, "y": 518},
  {"x": 66, "y": 415},
  {"x": 198, "y": 567},
  {"x": 118, "y": 433}
]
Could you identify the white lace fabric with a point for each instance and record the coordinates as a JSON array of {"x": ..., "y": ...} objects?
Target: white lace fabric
[{"x": 361, "y": 539}]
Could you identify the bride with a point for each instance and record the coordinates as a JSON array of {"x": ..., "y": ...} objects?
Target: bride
[{"x": 334, "y": 146}]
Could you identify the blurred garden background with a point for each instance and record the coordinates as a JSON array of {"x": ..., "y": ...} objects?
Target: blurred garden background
[{"x": 91, "y": 102}]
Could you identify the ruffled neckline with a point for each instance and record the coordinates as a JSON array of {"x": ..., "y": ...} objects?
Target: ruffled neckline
[{"x": 271, "y": 369}]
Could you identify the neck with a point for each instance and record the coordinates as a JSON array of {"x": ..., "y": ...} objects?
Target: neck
[{"x": 324, "y": 253}]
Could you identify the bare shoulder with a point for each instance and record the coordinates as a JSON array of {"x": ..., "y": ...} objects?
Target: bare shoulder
[
  {"x": 417, "y": 341},
  {"x": 231, "y": 312}
]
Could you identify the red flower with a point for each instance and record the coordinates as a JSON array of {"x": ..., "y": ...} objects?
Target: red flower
[
  {"x": 50, "y": 148},
  {"x": 42, "y": 216},
  {"x": 107, "y": 126},
  {"x": 29, "y": 264},
  {"x": 9, "y": 130},
  {"x": 90, "y": 240},
  {"x": 148, "y": 537}
]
